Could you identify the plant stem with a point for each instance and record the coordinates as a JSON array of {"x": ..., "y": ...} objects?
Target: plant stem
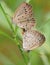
[
  {"x": 9, "y": 22},
  {"x": 6, "y": 35},
  {"x": 12, "y": 28}
]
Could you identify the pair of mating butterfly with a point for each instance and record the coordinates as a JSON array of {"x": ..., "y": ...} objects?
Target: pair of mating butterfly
[{"x": 23, "y": 17}]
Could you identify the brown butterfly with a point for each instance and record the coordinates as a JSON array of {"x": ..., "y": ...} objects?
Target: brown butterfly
[
  {"x": 32, "y": 39},
  {"x": 23, "y": 16}
]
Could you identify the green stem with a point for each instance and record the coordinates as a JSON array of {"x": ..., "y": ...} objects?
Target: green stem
[
  {"x": 6, "y": 35},
  {"x": 25, "y": 60},
  {"x": 9, "y": 22},
  {"x": 11, "y": 26}
]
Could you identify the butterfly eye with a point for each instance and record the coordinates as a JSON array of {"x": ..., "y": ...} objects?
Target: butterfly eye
[
  {"x": 32, "y": 39},
  {"x": 23, "y": 15}
]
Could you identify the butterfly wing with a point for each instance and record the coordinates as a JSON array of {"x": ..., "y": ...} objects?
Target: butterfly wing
[
  {"x": 24, "y": 16},
  {"x": 32, "y": 39}
]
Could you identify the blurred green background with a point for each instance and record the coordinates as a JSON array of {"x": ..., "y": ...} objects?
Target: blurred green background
[{"x": 10, "y": 51}]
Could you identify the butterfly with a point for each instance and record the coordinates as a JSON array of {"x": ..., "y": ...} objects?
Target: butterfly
[
  {"x": 23, "y": 16},
  {"x": 32, "y": 39}
]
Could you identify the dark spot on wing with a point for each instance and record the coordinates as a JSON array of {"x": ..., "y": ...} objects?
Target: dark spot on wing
[
  {"x": 22, "y": 16},
  {"x": 18, "y": 19},
  {"x": 24, "y": 30}
]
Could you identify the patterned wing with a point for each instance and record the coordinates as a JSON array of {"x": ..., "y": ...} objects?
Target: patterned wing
[
  {"x": 23, "y": 16},
  {"x": 32, "y": 39}
]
